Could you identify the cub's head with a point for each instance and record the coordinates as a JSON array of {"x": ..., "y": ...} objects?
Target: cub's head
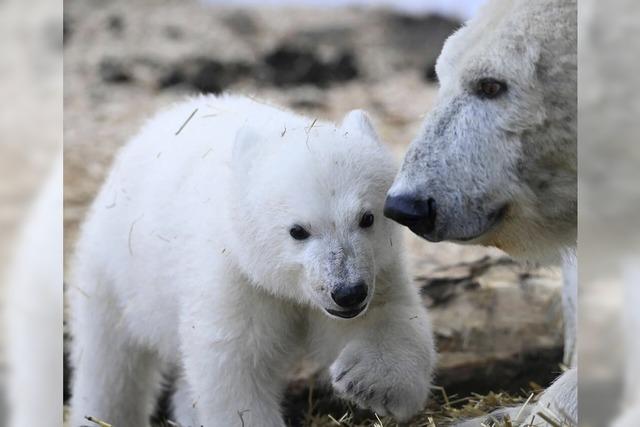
[
  {"x": 307, "y": 211},
  {"x": 495, "y": 162}
]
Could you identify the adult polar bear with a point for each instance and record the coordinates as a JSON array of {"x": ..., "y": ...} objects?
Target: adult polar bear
[
  {"x": 228, "y": 247},
  {"x": 495, "y": 163}
]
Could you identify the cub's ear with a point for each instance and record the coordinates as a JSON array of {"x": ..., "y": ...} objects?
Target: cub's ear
[
  {"x": 359, "y": 121},
  {"x": 246, "y": 147}
]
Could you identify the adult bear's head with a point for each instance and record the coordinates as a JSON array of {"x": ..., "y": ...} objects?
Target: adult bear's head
[{"x": 495, "y": 163}]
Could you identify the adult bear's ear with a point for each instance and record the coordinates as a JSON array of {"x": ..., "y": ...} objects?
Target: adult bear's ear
[
  {"x": 358, "y": 121},
  {"x": 246, "y": 147}
]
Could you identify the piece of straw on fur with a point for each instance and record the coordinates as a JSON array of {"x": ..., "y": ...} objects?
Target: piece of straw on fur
[
  {"x": 186, "y": 121},
  {"x": 97, "y": 421}
]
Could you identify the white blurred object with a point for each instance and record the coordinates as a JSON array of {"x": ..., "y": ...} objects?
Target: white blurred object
[
  {"x": 570, "y": 307},
  {"x": 630, "y": 416},
  {"x": 31, "y": 286},
  {"x": 609, "y": 201},
  {"x": 461, "y": 9},
  {"x": 34, "y": 306}
]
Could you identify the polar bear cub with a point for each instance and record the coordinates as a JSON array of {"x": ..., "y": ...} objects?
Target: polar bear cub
[{"x": 231, "y": 238}]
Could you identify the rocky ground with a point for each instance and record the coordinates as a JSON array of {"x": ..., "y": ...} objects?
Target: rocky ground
[{"x": 497, "y": 323}]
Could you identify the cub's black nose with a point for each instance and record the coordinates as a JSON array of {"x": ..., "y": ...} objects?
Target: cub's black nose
[
  {"x": 416, "y": 213},
  {"x": 350, "y": 295}
]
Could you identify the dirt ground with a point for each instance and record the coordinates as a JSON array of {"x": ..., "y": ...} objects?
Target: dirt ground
[{"x": 498, "y": 324}]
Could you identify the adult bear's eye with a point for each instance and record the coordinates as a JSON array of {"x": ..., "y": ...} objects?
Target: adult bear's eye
[
  {"x": 490, "y": 88},
  {"x": 298, "y": 233},
  {"x": 367, "y": 220}
]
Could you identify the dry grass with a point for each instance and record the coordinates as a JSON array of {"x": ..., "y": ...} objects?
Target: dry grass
[{"x": 444, "y": 410}]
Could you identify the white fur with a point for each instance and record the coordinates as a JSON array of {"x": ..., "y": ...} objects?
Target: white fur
[
  {"x": 514, "y": 153},
  {"x": 186, "y": 260}
]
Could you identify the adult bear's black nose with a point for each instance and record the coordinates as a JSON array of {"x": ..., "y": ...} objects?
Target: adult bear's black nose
[
  {"x": 350, "y": 295},
  {"x": 416, "y": 213}
]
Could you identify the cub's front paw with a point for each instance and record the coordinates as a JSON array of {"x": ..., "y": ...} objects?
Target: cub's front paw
[{"x": 387, "y": 382}]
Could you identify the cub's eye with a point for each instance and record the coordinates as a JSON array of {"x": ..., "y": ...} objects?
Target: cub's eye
[
  {"x": 367, "y": 220},
  {"x": 298, "y": 233},
  {"x": 490, "y": 88}
]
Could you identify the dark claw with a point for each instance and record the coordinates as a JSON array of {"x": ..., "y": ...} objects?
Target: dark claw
[
  {"x": 368, "y": 396},
  {"x": 385, "y": 403},
  {"x": 345, "y": 372}
]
